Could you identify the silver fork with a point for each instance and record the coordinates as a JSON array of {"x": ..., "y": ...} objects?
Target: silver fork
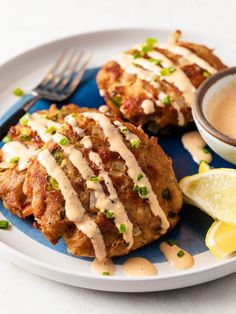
[{"x": 58, "y": 85}]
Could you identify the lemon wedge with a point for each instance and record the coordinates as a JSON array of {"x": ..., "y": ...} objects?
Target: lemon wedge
[
  {"x": 214, "y": 192},
  {"x": 221, "y": 239},
  {"x": 203, "y": 167}
]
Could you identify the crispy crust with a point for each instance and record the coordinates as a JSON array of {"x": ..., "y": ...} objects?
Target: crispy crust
[{"x": 47, "y": 205}]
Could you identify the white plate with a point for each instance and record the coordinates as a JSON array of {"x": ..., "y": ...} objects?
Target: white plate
[{"x": 25, "y": 71}]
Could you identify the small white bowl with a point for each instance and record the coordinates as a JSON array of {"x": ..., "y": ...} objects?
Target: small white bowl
[{"x": 221, "y": 144}]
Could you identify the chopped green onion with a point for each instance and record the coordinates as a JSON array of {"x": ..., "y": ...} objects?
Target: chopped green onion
[
  {"x": 6, "y": 139},
  {"x": 95, "y": 179},
  {"x": 4, "y": 224},
  {"x": 64, "y": 141},
  {"x": 24, "y": 120},
  {"x": 108, "y": 213},
  {"x": 151, "y": 41},
  {"x": 155, "y": 61},
  {"x": 52, "y": 184},
  {"x": 206, "y": 74},
  {"x": 171, "y": 242},
  {"x": 122, "y": 228},
  {"x": 140, "y": 176},
  {"x": 206, "y": 151},
  {"x": 25, "y": 138},
  {"x": 106, "y": 273},
  {"x": 166, "y": 194},
  {"x": 143, "y": 191},
  {"x": 136, "y": 188},
  {"x": 74, "y": 115},
  {"x": 18, "y": 92},
  {"x": 180, "y": 253},
  {"x": 166, "y": 101},
  {"x": 167, "y": 71},
  {"x": 137, "y": 55},
  {"x": 14, "y": 160},
  {"x": 125, "y": 130},
  {"x": 51, "y": 130},
  {"x": 146, "y": 49},
  {"x": 116, "y": 101},
  {"x": 59, "y": 157},
  {"x": 135, "y": 143},
  {"x": 62, "y": 214}
]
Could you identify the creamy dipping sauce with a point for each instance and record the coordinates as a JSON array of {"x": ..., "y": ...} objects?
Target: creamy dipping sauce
[
  {"x": 221, "y": 110},
  {"x": 195, "y": 145},
  {"x": 177, "y": 257},
  {"x": 138, "y": 267},
  {"x": 103, "y": 267}
]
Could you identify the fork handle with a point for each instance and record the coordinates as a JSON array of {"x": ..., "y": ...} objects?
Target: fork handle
[{"x": 11, "y": 118}]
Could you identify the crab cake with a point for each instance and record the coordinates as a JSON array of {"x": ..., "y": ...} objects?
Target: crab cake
[
  {"x": 154, "y": 84},
  {"x": 99, "y": 183}
]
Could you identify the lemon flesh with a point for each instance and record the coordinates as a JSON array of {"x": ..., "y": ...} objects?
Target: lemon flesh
[
  {"x": 214, "y": 192},
  {"x": 221, "y": 239}
]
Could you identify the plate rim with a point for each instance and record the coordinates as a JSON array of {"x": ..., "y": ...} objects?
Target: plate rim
[{"x": 49, "y": 267}]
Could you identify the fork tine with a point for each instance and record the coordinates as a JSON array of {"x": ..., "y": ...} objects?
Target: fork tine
[
  {"x": 57, "y": 78},
  {"x": 52, "y": 71},
  {"x": 67, "y": 78},
  {"x": 72, "y": 86}
]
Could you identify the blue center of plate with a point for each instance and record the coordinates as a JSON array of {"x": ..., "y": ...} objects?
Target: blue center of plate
[{"x": 190, "y": 231}]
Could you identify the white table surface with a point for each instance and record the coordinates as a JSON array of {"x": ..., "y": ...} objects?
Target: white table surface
[{"x": 28, "y": 23}]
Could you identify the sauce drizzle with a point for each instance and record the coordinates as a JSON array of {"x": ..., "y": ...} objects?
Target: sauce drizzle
[{"x": 138, "y": 267}]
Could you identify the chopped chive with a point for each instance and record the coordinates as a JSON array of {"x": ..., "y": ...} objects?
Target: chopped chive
[
  {"x": 116, "y": 101},
  {"x": 146, "y": 49},
  {"x": 180, "y": 253},
  {"x": 95, "y": 179},
  {"x": 151, "y": 41},
  {"x": 155, "y": 61},
  {"x": 4, "y": 224},
  {"x": 25, "y": 138},
  {"x": 137, "y": 55},
  {"x": 24, "y": 120},
  {"x": 64, "y": 141},
  {"x": 125, "y": 130},
  {"x": 52, "y": 184},
  {"x": 206, "y": 74},
  {"x": 167, "y": 71},
  {"x": 18, "y": 92},
  {"x": 135, "y": 143},
  {"x": 6, "y": 139},
  {"x": 74, "y": 115},
  {"x": 108, "y": 213},
  {"x": 166, "y": 101},
  {"x": 51, "y": 130},
  {"x": 171, "y": 242},
  {"x": 140, "y": 176},
  {"x": 62, "y": 214},
  {"x": 206, "y": 151},
  {"x": 122, "y": 228},
  {"x": 59, "y": 157},
  {"x": 172, "y": 69},
  {"x": 14, "y": 160},
  {"x": 106, "y": 273},
  {"x": 165, "y": 194},
  {"x": 136, "y": 188},
  {"x": 143, "y": 191}
]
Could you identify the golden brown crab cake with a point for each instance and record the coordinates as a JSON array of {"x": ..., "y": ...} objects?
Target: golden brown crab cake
[
  {"x": 22, "y": 136},
  {"x": 103, "y": 186},
  {"x": 154, "y": 84}
]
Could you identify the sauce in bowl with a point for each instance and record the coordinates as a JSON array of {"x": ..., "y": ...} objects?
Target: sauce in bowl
[{"x": 221, "y": 110}]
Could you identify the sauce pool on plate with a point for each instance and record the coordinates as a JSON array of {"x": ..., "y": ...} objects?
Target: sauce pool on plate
[
  {"x": 138, "y": 267},
  {"x": 221, "y": 110},
  {"x": 177, "y": 257}
]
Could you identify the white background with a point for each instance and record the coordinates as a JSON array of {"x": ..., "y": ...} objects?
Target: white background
[{"x": 28, "y": 23}]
